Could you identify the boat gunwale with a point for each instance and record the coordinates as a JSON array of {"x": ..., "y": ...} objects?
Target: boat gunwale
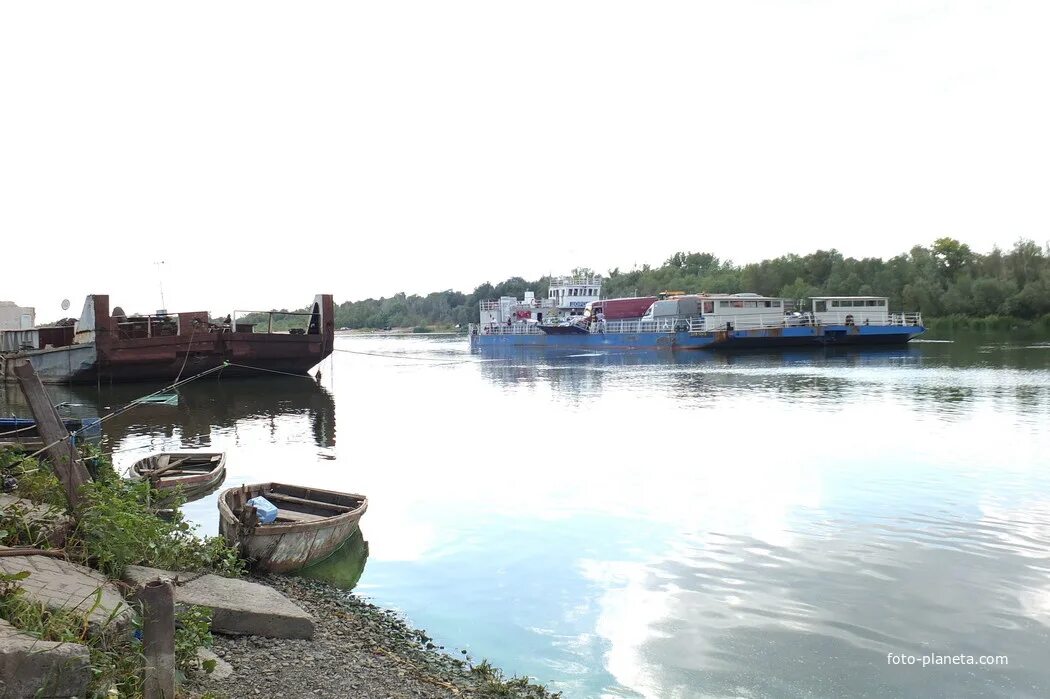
[
  {"x": 279, "y": 529},
  {"x": 212, "y": 476}
]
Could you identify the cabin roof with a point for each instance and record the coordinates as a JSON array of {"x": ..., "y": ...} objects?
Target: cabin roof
[{"x": 829, "y": 298}]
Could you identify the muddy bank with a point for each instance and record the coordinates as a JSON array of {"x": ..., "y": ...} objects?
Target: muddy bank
[{"x": 358, "y": 650}]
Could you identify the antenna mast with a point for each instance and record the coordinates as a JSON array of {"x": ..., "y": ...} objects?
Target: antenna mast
[{"x": 160, "y": 282}]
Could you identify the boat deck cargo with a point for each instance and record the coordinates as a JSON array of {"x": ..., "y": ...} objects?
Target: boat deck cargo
[{"x": 113, "y": 347}]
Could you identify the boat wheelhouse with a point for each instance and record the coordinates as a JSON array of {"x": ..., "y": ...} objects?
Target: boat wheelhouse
[{"x": 566, "y": 297}]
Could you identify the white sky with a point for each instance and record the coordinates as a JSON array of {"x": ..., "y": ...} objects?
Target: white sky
[{"x": 270, "y": 151}]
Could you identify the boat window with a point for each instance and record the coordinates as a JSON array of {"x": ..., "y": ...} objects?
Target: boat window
[
  {"x": 835, "y": 304},
  {"x": 820, "y": 306},
  {"x": 776, "y": 304},
  {"x": 882, "y": 302},
  {"x": 709, "y": 306}
]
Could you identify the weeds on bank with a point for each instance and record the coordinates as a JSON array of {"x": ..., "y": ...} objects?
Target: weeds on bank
[
  {"x": 115, "y": 529},
  {"x": 115, "y": 525},
  {"x": 491, "y": 682},
  {"x": 115, "y": 654}
]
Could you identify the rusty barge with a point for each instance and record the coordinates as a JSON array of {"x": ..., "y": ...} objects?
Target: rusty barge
[{"x": 105, "y": 347}]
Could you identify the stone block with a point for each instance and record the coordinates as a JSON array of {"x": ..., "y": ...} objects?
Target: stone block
[
  {"x": 59, "y": 584},
  {"x": 33, "y": 668},
  {"x": 239, "y": 607}
]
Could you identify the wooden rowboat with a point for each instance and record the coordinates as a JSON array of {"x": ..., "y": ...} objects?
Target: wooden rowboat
[
  {"x": 311, "y": 523},
  {"x": 198, "y": 472}
]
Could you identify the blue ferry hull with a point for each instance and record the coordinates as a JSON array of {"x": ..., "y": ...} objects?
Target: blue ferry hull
[{"x": 761, "y": 338}]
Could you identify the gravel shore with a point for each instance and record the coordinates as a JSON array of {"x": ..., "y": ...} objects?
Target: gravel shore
[{"x": 358, "y": 650}]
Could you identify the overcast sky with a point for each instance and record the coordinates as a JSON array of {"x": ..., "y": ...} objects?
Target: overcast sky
[{"x": 269, "y": 151}]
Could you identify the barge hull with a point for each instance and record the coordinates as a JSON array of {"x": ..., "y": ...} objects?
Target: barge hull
[{"x": 100, "y": 354}]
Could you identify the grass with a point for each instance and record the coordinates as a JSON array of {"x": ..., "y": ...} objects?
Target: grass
[
  {"x": 116, "y": 657},
  {"x": 491, "y": 682},
  {"x": 115, "y": 525}
]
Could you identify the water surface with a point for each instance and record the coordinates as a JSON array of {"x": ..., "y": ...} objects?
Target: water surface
[{"x": 647, "y": 524}]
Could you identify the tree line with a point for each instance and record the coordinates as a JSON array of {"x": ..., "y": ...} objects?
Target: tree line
[{"x": 946, "y": 278}]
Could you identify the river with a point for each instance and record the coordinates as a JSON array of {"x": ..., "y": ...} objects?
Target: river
[{"x": 655, "y": 525}]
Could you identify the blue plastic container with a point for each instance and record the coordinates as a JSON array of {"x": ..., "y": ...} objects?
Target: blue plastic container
[{"x": 265, "y": 509}]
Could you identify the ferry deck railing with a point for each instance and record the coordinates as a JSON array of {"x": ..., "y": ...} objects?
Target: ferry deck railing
[{"x": 693, "y": 324}]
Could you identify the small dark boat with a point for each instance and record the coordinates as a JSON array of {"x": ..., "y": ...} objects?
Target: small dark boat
[
  {"x": 197, "y": 472},
  {"x": 21, "y": 433},
  {"x": 570, "y": 329},
  {"x": 311, "y": 523}
]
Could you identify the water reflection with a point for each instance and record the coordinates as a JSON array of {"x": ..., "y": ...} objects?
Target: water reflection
[
  {"x": 344, "y": 567},
  {"x": 203, "y": 407}
]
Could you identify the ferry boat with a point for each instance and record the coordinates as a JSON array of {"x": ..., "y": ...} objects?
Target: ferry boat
[{"x": 575, "y": 316}]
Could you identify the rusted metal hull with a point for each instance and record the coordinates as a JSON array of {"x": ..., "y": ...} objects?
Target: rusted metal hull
[
  {"x": 104, "y": 355},
  {"x": 287, "y": 546}
]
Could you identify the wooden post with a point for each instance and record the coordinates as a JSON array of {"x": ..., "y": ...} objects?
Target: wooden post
[
  {"x": 158, "y": 639},
  {"x": 63, "y": 454}
]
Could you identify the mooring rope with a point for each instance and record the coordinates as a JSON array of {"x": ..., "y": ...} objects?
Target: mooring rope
[
  {"x": 139, "y": 401},
  {"x": 438, "y": 360},
  {"x": 390, "y": 355},
  {"x": 271, "y": 371},
  {"x": 133, "y": 404},
  {"x": 189, "y": 349}
]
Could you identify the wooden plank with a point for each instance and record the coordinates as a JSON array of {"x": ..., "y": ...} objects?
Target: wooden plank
[
  {"x": 281, "y": 497},
  {"x": 62, "y": 454},
  {"x": 292, "y": 516}
]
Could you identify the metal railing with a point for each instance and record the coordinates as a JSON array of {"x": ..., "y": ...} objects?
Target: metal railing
[
  {"x": 698, "y": 324},
  {"x": 269, "y": 317},
  {"x": 504, "y": 329},
  {"x": 137, "y": 327}
]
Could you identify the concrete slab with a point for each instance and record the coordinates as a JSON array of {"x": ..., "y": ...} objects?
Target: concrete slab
[
  {"x": 30, "y": 667},
  {"x": 52, "y": 521},
  {"x": 239, "y": 607},
  {"x": 59, "y": 584}
]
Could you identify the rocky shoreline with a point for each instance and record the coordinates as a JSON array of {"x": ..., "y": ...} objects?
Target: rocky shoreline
[{"x": 358, "y": 650}]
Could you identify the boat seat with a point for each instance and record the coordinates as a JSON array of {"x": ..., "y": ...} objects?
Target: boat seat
[
  {"x": 292, "y": 516},
  {"x": 315, "y": 504}
]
